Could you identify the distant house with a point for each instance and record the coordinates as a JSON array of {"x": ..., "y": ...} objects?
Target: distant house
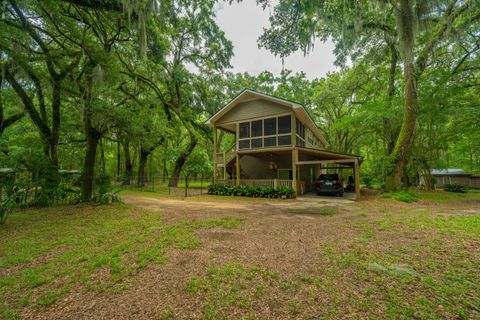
[
  {"x": 453, "y": 176},
  {"x": 276, "y": 143}
]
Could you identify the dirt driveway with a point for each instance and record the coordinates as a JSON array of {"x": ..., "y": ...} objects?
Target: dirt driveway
[{"x": 295, "y": 260}]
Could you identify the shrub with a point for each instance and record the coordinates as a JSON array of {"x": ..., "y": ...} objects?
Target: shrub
[
  {"x": 367, "y": 180},
  {"x": 455, "y": 188},
  {"x": 107, "y": 198},
  {"x": 251, "y": 191},
  {"x": 61, "y": 194},
  {"x": 8, "y": 200},
  {"x": 103, "y": 182}
]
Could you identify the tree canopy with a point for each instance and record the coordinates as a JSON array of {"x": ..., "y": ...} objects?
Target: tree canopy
[{"x": 123, "y": 88}]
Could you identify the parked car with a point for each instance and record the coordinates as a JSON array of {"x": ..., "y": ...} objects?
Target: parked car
[{"x": 329, "y": 184}]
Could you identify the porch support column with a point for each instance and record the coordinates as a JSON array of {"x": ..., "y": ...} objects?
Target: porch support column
[
  {"x": 237, "y": 168},
  {"x": 224, "y": 168},
  {"x": 357, "y": 180},
  {"x": 294, "y": 170},
  {"x": 214, "y": 154}
]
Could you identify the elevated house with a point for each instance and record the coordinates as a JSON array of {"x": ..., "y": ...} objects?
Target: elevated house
[{"x": 276, "y": 143}]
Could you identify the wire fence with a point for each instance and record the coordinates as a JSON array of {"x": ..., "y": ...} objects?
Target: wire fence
[{"x": 181, "y": 186}]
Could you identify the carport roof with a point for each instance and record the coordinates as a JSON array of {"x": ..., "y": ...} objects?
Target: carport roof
[{"x": 330, "y": 156}]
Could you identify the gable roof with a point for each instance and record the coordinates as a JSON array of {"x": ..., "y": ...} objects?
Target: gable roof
[{"x": 247, "y": 94}]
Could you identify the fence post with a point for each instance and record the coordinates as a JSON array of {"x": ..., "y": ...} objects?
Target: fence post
[
  {"x": 201, "y": 185},
  {"x": 168, "y": 186},
  {"x": 186, "y": 187},
  {"x": 153, "y": 183}
]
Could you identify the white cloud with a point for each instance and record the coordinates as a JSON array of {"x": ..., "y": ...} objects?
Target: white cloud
[{"x": 243, "y": 23}]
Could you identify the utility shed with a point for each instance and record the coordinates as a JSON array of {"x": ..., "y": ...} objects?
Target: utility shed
[{"x": 453, "y": 176}]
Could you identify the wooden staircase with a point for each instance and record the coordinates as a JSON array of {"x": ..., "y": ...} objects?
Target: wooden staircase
[{"x": 226, "y": 160}]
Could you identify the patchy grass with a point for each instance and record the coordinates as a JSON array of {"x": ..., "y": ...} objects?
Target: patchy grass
[
  {"x": 437, "y": 196},
  {"x": 320, "y": 211},
  {"x": 445, "y": 197},
  {"x": 402, "y": 196},
  {"x": 44, "y": 253},
  {"x": 378, "y": 259}
]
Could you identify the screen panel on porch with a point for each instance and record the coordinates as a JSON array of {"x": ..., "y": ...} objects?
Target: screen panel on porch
[{"x": 265, "y": 133}]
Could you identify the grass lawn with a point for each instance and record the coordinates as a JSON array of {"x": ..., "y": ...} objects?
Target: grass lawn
[
  {"x": 208, "y": 258},
  {"x": 47, "y": 253}
]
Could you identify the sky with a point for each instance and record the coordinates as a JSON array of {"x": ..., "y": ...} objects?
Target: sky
[{"x": 243, "y": 23}]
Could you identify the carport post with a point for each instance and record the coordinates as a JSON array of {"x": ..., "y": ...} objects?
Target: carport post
[
  {"x": 294, "y": 170},
  {"x": 357, "y": 179}
]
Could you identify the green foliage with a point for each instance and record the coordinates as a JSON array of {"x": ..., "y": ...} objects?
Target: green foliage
[
  {"x": 103, "y": 183},
  {"x": 9, "y": 199},
  {"x": 451, "y": 187},
  {"x": 107, "y": 198},
  {"x": 47, "y": 196},
  {"x": 6, "y": 208},
  {"x": 154, "y": 103},
  {"x": 402, "y": 196},
  {"x": 283, "y": 192}
]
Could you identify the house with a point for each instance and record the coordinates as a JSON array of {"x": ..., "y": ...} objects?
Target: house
[
  {"x": 275, "y": 142},
  {"x": 452, "y": 176}
]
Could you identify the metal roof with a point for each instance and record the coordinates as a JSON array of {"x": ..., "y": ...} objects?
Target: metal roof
[{"x": 449, "y": 171}]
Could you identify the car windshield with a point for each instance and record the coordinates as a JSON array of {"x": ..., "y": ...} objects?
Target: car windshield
[{"x": 329, "y": 177}]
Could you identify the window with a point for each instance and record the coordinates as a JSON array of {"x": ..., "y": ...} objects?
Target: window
[
  {"x": 270, "y": 142},
  {"x": 300, "y": 134},
  {"x": 284, "y": 124},
  {"x": 245, "y": 130},
  {"x": 284, "y": 140},
  {"x": 257, "y": 128},
  {"x": 270, "y": 126},
  {"x": 300, "y": 130},
  {"x": 244, "y": 144},
  {"x": 257, "y": 143},
  {"x": 265, "y": 133}
]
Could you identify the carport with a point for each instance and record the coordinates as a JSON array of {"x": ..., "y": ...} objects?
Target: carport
[{"x": 327, "y": 160}]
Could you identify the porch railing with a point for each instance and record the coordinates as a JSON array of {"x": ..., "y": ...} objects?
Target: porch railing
[
  {"x": 258, "y": 182},
  {"x": 225, "y": 157}
]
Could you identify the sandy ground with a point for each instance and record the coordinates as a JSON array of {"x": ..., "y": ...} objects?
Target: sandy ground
[{"x": 273, "y": 235}]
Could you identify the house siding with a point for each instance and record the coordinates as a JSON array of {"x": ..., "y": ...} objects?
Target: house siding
[
  {"x": 258, "y": 167},
  {"x": 253, "y": 109}
]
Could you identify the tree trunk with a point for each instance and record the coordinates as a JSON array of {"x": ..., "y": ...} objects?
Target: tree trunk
[
  {"x": 118, "y": 158},
  {"x": 427, "y": 180},
  {"x": 89, "y": 167},
  {"x": 398, "y": 158},
  {"x": 92, "y": 136},
  {"x": 55, "y": 136},
  {"x": 102, "y": 157},
  {"x": 181, "y": 161},
  {"x": 389, "y": 131},
  {"x": 144, "y": 153},
  {"x": 128, "y": 163},
  {"x": 141, "y": 166}
]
